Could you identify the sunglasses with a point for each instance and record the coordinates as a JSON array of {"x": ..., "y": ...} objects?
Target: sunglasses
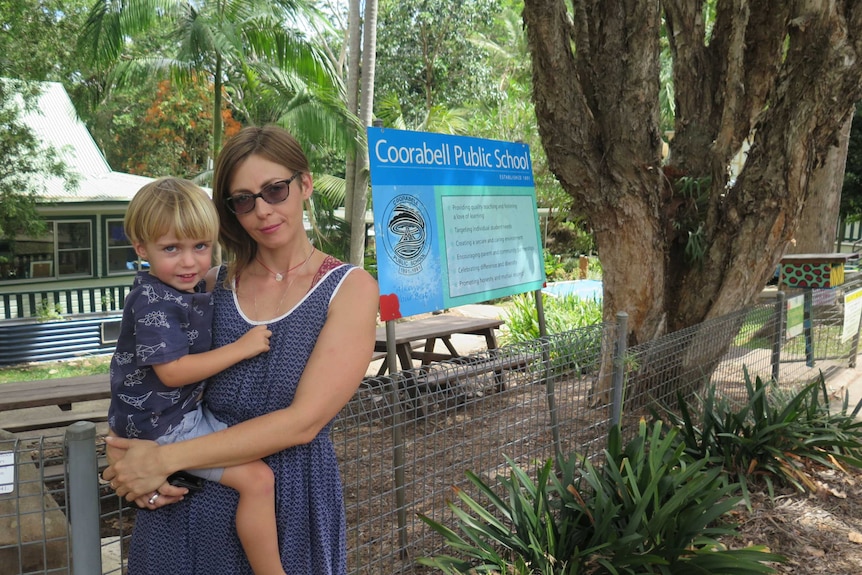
[{"x": 273, "y": 193}]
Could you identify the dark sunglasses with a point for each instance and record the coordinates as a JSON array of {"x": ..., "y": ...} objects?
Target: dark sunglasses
[{"x": 273, "y": 193}]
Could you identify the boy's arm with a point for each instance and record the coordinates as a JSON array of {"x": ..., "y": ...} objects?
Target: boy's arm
[{"x": 195, "y": 367}]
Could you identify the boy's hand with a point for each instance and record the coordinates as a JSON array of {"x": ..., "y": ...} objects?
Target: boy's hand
[{"x": 255, "y": 341}]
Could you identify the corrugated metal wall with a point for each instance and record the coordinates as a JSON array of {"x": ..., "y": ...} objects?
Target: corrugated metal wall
[{"x": 22, "y": 341}]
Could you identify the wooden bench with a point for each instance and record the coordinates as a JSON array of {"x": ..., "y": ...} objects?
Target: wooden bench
[
  {"x": 438, "y": 375},
  {"x": 465, "y": 367},
  {"x": 60, "y": 392}
]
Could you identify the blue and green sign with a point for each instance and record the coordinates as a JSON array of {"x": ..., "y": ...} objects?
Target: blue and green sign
[{"x": 455, "y": 220}]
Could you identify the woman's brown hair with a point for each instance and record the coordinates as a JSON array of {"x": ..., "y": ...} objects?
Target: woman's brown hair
[{"x": 270, "y": 142}]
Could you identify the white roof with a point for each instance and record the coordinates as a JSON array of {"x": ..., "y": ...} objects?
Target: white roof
[{"x": 57, "y": 124}]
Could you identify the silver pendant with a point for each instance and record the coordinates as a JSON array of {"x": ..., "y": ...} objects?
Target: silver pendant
[{"x": 278, "y": 277}]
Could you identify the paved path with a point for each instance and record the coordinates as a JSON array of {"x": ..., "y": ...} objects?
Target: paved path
[{"x": 848, "y": 381}]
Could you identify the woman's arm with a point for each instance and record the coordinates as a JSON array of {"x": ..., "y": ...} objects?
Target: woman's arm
[{"x": 324, "y": 388}]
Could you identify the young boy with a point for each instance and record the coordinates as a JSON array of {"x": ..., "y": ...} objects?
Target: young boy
[{"x": 163, "y": 352}]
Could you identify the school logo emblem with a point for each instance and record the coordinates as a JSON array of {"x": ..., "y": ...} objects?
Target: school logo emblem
[{"x": 405, "y": 238}]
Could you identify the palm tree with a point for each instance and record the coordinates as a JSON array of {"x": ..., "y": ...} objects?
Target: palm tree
[{"x": 232, "y": 42}]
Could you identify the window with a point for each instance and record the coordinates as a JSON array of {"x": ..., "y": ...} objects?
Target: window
[
  {"x": 74, "y": 249},
  {"x": 121, "y": 255},
  {"x": 64, "y": 250}
]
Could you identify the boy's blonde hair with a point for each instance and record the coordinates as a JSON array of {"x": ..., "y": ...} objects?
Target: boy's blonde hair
[{"x": 171, "y": 204}]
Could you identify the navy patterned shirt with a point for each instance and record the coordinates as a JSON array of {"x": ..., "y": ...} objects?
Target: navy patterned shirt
[{"x": 160, "y": 324}]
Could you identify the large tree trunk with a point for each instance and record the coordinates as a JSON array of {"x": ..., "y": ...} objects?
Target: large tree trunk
[
  {"x": 818, "y": 223},
  {"x": 679, "y": 243}
]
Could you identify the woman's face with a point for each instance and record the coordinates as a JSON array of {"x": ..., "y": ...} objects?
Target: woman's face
[{"x": 270, "y": 225}]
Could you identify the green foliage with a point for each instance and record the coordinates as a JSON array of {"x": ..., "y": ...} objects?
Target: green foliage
[
  {"x": 425, "y": 56},
  {"x": 243, "y": 46},
  {"x": 562, "y": 314},
  {"x": 511, "y": 116},
  {"x": 24, "y": 161},
  {"x": 595, "y": 270},
  {"x": 38, "y": 39},
  {"x": 331, "y": 234},
  {"x": 572, "y": 234},
  {"x": 751, "y": 333},
  {"x": 157, "y": 128},
  {"x": 694, "y": 194},
  {"x": 645, "y": 509},
  {"x": 564, "y": 268},
  {"x": 771, "y": 436},
  {"x": 555, "y": 270},
  {"x": 576, "y": 325},
  {"x": 46, "y": 311},
  {"x": 89, "y": 365},
  {"x": 851, "y": 192}
]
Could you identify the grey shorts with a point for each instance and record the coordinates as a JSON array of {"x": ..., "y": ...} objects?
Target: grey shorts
[{"x": 194, "y": 424}]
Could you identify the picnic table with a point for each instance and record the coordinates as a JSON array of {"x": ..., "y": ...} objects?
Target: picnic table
[
  {"x": 60, "y": 392},
  {"x": 416, "y": 339}
]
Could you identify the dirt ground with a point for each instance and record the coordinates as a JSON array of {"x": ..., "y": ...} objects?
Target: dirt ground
[{"x": 818, "y": 533}]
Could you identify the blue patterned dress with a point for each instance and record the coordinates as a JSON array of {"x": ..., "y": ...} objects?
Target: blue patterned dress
[{"x": 197, "y": 536}]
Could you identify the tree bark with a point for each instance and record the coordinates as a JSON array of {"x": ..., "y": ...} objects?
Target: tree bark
[
  {"x": 680, "y": 243},
  {"x": 818, "y": 223}
]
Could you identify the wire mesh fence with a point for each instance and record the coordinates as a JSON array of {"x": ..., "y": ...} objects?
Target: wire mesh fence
[
  {"x": 405, "y": 441},
  {"x": 34, "y": 533}
]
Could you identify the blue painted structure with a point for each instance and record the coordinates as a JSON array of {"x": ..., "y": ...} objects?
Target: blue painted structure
[
  {"x": 89, "y": 324},
  {"x": 23, "y": 341}
]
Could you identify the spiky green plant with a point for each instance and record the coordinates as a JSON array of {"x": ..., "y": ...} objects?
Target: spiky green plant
[
  {"x": 646, "y": 509},
  {"x": 772, "y": 435}
]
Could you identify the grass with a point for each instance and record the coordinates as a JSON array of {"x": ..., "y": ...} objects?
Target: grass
[
  {"x": 826, "y": 338},
  {"x": 90, "y": 365}
]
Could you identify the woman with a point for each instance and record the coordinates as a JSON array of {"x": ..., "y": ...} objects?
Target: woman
[{"x": 280, "y": 404}]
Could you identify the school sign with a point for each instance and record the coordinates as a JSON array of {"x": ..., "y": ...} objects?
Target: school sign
[{"x": 455, "y": 220}]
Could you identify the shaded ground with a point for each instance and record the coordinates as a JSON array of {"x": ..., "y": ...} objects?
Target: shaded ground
[{"x": 817, "y": 533}]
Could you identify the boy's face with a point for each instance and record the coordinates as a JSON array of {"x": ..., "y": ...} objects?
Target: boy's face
[{"x": 180, "y": 264}]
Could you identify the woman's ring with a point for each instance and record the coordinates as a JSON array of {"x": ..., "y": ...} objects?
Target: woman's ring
[
  {"x": 154, "y": 498},
  {"x": 112, "y": 485}
]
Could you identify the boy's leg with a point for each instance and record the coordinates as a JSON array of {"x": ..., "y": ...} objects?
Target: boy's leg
[{"x": 255, "y": 515}]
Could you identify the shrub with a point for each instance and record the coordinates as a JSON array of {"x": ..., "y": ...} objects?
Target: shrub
[
  {"x": 646, "y": 509},
  {"x": 46, "y": 311},
  {"x": 773, "y": 434},
  {"x": 562, "y": 314},
  {"x": 576, "y": 325}
]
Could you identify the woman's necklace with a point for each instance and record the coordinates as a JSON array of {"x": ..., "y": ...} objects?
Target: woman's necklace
[
  {"x": 281, "y": 275},
  {"x": 278, "y": 279}
]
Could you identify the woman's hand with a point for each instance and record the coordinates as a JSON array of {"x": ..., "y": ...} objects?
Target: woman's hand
[
  {"x": 135, "y": 472},
  {"x": 161, "y": 497}
]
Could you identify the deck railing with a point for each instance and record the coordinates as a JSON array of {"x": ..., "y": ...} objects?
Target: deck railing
[{"x": 63, "y": 301}]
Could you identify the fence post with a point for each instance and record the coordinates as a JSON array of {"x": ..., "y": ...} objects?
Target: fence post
[
  {"x": 550, "y": 385},
  {"x": 82, "y": 497},
  {"x": 619, "y": 374},
  {"x": 781, "y": 323}
]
